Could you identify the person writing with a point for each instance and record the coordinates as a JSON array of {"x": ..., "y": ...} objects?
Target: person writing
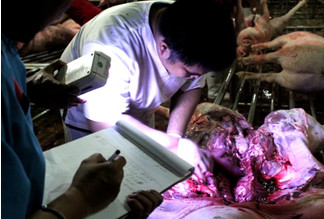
[{"x": 97, "y": 181}]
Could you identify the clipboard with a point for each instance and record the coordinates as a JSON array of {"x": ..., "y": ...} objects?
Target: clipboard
[{"x": 149, "y": 165}]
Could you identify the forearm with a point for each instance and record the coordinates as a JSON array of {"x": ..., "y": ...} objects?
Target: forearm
[
  {"x": 97, "y": 126},
  {"x": 182, "y": 110},
  {"x": 164, "y": 139}
]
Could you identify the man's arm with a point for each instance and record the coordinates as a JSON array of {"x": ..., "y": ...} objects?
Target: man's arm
[
  {"x": 184, "y": 148},
  {"x": 97, "y": 126},
  {"x": 182, "y": 107},
  {"x": 167, "y": 141}
]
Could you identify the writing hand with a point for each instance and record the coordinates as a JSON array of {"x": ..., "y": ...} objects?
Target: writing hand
[{"x": 98, "y": 181}]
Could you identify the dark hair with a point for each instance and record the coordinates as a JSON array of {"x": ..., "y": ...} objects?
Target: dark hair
[{"x": 199, "y": 32}]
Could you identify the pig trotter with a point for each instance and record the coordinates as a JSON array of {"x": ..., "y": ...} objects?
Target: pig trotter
[
  {"x": 245, "y": 75},
  {"x": 257, "y": 47},
  {"x": 246, "y": 60}
]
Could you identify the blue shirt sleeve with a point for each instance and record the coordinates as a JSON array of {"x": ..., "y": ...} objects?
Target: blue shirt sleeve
[{"x": 22, "y": 160}]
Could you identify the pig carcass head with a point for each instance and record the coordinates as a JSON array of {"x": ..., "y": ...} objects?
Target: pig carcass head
[
  {"x": 244, "y": 47},
  {"x": 258, "y": 29}
]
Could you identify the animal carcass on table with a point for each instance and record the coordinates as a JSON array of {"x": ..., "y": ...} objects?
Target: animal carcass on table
[
  {"x": 261, "y": 29},
  {"x": 282, "y": 179},
  {"x": 300, "y": 55}
]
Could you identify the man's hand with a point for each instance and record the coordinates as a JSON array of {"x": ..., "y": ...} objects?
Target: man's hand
[
  {"x": 142, "y": 203},
  {"x": 226, "y": 164},
  {"x": 44, "y": 90},
  {"x": 190, "y": 152},
  {"x": 205, "y": 161},
  {"x": 98, "y": 181}
]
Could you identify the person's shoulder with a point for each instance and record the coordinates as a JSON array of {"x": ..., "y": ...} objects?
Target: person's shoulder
[
  {"x": 7, "y": 45},
  {"x": 9, "y": 54}
]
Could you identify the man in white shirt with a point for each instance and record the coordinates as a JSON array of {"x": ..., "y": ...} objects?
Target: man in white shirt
[{"x": 159, "y": 50}]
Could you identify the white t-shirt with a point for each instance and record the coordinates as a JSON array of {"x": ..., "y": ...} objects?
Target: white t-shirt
[{"x": 138, "y": 82}]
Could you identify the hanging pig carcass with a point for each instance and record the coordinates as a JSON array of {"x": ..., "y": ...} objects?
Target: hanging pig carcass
[
  {"x": 280, "y": 176},
  {"x": 300, "y": 54},
  {"x": 260, "y": 28}
]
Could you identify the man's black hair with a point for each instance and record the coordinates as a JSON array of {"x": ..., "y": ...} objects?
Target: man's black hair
[{"x": 199, "y": 32}]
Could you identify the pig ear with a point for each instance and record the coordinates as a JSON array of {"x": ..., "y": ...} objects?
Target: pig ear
[{"x": 164, "y": 49}]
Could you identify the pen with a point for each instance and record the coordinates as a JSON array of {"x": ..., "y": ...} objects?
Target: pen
[{"x": 113, "y": 157}]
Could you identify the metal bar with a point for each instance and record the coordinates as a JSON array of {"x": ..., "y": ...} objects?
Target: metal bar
[
  {"x": 49, "y": 58},
  {"x": 33, "y": 56},
  {"x": 38, "y": 57},
  {"x": 238, "y": 95},
  {"x": 254, "y": 102},
  {"x": 40, "y": 114},
  {"x": 312, "y": 106},
  {"x": 273, "y": 98},
  {"x": 225, "y": 84},
  {"x": 240, "y": 91},
  {"x": 305, "y": 27},
  {"x": 254, "y": 98},
  {"x": 262, "y": 105},
  {"x": 35, "y": 65},
  {"x": 292, "y": 103}
]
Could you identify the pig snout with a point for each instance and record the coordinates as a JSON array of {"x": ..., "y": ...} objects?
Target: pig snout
[
  {"x": 244, "y": 47},
  {"x": 240, "y": 51}
]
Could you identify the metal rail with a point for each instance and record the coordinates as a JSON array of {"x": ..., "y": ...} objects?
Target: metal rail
[
  {"x": 35, "y": 65},
  {"x": 225, "y": 84}
]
